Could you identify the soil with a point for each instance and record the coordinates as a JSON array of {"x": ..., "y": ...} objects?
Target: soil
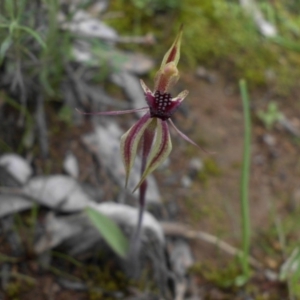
[{"x": 213, "y": 117}]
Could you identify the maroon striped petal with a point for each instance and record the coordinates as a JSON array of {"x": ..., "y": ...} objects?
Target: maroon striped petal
[
  {"x": 147, "y": 142},
  {"x": 130, "y": 142},
  {"x": 160, "y": 150}
]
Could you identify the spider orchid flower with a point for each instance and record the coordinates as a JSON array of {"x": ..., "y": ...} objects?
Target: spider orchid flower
[{"x": 151, "y": 131}]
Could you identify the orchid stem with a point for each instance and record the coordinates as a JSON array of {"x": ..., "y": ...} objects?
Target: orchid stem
[
  {"x": 142, "y": 197},
  {"x": 136, "y": 242},
  {"x": 137, "y": 236}
]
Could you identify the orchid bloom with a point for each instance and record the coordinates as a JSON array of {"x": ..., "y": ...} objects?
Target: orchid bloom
[{"x": 151, "y": 132}]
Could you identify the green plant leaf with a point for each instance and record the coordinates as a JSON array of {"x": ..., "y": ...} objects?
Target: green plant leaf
[
  {"x": 65, "y": 114},
  {"x": 110, "y": 231},
  {"x": 241, "y": 280},
  {"x": 34, "y": 35},
  {"x": 9, "y": 8},
  {"x": 4, "y": 47}
]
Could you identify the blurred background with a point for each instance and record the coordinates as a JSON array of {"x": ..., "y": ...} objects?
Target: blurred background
[{"x": 61, "y": 56}]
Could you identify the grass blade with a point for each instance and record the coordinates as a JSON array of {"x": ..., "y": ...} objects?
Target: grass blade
[
  {"x": 246, "y": 227},
  {"x": 4, "y": 47},
  {"x": 110, "y": 231},
  {"x": 34, "y": 34}
]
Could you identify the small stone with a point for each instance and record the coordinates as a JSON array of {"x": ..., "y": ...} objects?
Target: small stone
[
  {"x": 259, "y": 159},
  {"x": 17, "y": 166},
  {"x": 71, "y": 165},
  {"x": 195, "y": 165},
  {"x": 270, "y": 275},
  {"x": 296, "y": 199},
  {"x": 181, "y": 258},
  {"x": 202, "y": 73},
  {"x": 269, "y": 140},
  {"x": 186, "y": 181},
  {"x": 271, "y": 263},
  {"x": 270, "y": 75},
  {"x": 59, "y": 192}
]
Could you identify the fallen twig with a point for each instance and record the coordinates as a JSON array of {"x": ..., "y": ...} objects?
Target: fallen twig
[
  {"x": 30, "y": 280},
  {"x": 177, "y": 229},
  {"x": 42, "y": 127}
]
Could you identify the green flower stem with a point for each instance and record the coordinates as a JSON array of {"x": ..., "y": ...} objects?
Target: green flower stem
[{"x": 246, "y": 227}]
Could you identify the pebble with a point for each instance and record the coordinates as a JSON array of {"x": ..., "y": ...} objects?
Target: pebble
[
  {"x": 186, "y": 181},
  {"x": 70, "y": 165},
  {"x": 269, "y": 140},
  {"x": 259, "y": 159},
  {"x": 195, "y": 165},
  {"x": 17, "y": 166},
  {"x": 206, "y": 75}
]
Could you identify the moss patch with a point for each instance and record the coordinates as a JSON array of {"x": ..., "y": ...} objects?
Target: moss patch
[{"x": 218, "y": 34}]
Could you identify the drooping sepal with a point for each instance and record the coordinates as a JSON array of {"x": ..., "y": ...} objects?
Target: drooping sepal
[
  {"x": 185, "y": 137},
  {"x": 160, "y": 150},
  {"x": 130, "y": 142},
  {"x": 112, "y": 113}
]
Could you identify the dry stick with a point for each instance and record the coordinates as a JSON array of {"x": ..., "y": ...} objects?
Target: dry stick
[
  {"x": 174, "y": 229},
  {"x": 42, "y": 127},
  {"x": 22, "y": 277},
  {"x": 147, "y": 39}
]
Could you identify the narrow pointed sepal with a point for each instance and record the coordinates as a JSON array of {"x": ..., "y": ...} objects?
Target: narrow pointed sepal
[
  {"x": 113, "y": 112},
  {"x": 176, "y": 102},
  {"x": 166, "y": 77},
  {"x": 144, "y": 87},
  {"x": 173, "y": 53},
  {"x": 168, "y": 73},
  {"x": 150, "y": 99},
  {"x": 130, "y": 141},
  {"x": 160, "y": 150},
  {"x": 181, "y": 96},
  {"x": 186, "y": 138}
]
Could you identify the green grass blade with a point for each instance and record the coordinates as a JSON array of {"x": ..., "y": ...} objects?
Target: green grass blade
[
  {"x": 34, "y": 34},
  {"x": 110, "y": 231},
  {"x": 287, "y": 43},
  {"x": 4, "y": 47},
  {"x": 9, "y": 8},
  {"x": 20, "y": 9},
  {"x": 246, "y": 227}
]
